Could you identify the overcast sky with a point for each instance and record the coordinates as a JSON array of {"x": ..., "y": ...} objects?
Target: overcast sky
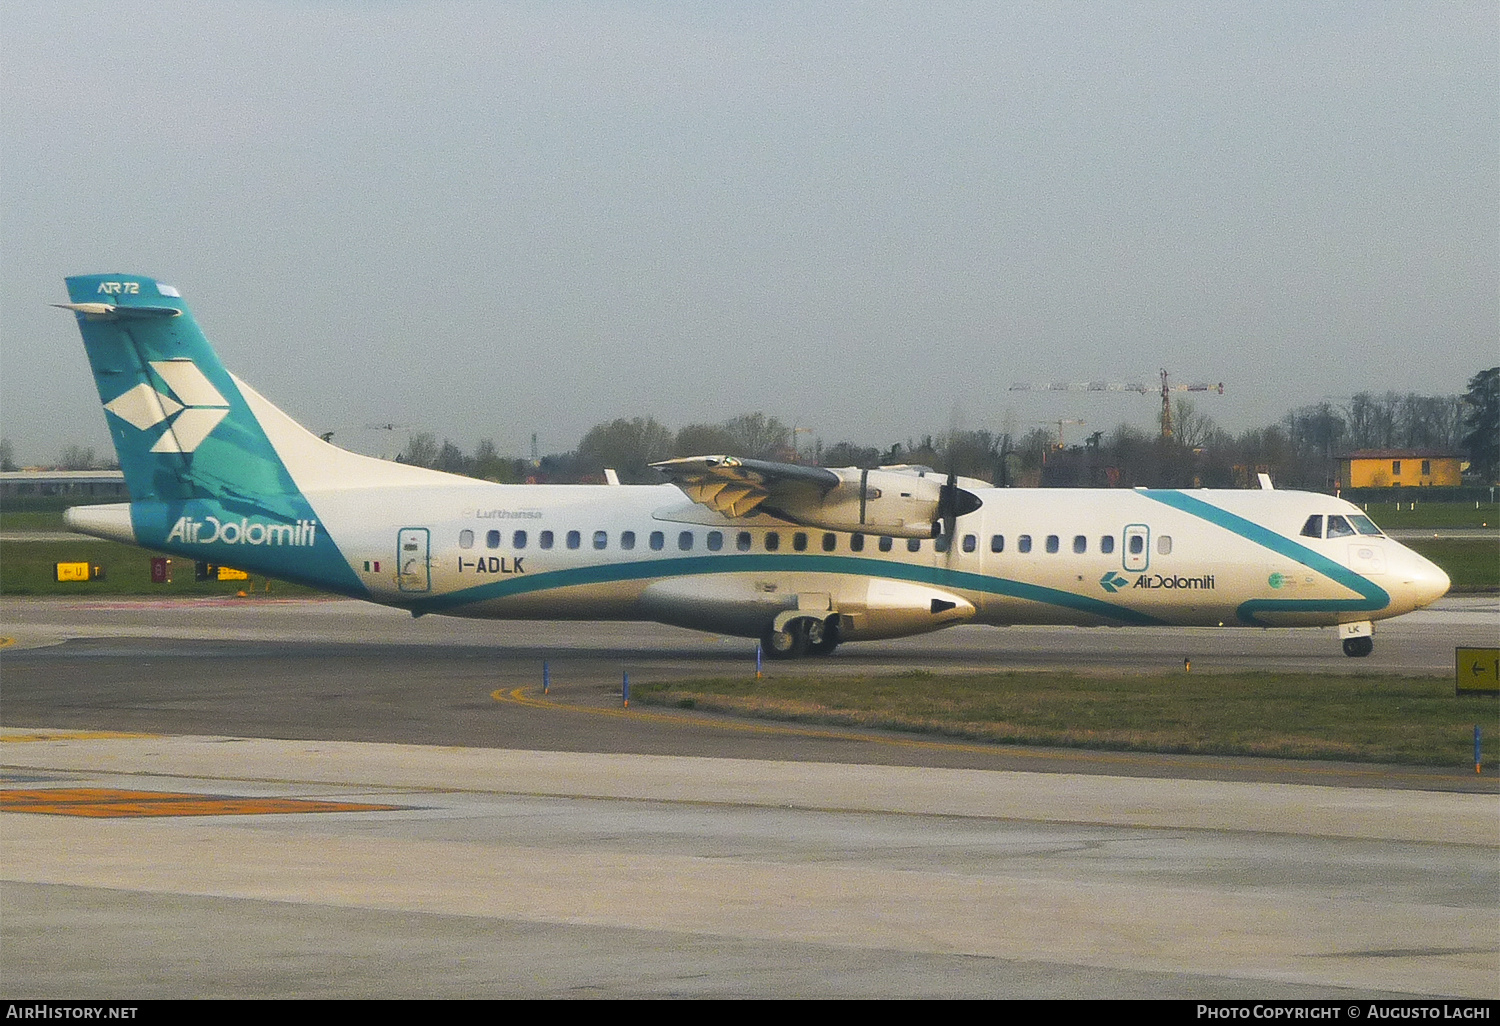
[{"x": 488, "y": 219}]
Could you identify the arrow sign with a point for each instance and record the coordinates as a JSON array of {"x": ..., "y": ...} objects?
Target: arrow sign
[{"x": 1476, "y": 671}]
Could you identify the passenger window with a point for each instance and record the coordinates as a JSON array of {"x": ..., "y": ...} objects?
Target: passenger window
[
  {"x": 997, "y": 543},
  {"x": 492, "y": 540},
  {"x": 518, "y": 540},
  {"x": 799, "y": 541},
  {"x": 685, "y": 541},
  {"x": 627, "y": 540},
  {"x": 887, "y": 543},
  {"x": 1052, "y": 543},
  {"x": 970, "y": 543},
  {"x": 715, "y": 541},
  {"x": 1338, "y": 527},
  {"x": 830, "y": 542},
  {"x": 914, "y": 545},
  {"x": 545, "y": 539},
  {"x": 1314, "y": 526},
  {"x": 1023, "y": 543},
  {"x": 657, "y": 541},
  {"x": 574, "y": 539},
  {"x": 466, "y": 539},
  {"x": 1080, "y": 544},
  {"x": 1164, "y": 544},
  {"x": 1137, "y": 545},
  {"x": 773, "y": 541},
  {"x": 601, "y": 539},
  {"x": 941, "y": 543},
  {"x": 856, "y": 543},
  {"x": 742, "y": 541},
  {"x": 1107, "y": 544}
]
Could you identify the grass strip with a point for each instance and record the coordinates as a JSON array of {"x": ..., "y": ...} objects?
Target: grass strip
[
  {"x": 32, "y": 520},
  {"x": 1368, "y": 718},
  {"x": 1435, "y": 514},
  {"x": 28, "y": 568},
  {"x": 1472, "y": 564}
]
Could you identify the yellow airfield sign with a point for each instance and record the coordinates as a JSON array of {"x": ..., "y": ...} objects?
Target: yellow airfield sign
[{"x": 1476, "y": 670}]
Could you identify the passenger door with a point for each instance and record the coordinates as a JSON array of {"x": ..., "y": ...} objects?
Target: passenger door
[
  {"x": 1137, "y": 549},
  {"x": 413, "y": 559}
]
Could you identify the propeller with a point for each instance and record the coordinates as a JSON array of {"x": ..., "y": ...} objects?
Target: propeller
[
  {"x": 948, "y": 506},
  {"x": 953, "y": 501}
]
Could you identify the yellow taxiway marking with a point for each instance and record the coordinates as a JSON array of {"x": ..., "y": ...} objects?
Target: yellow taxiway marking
[
  {"x": 111, "y": 802},
  {"x": 7, "y": 642},
  {"x": 71, "y": 735}
]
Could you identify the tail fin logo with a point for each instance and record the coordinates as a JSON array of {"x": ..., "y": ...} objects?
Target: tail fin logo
[{"x": 191, "y": 411}]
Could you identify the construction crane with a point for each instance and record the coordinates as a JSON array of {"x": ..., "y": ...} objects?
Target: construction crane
[
  {"x": 1060, "y": 423},
  {"x": 1166, "y": 389}
]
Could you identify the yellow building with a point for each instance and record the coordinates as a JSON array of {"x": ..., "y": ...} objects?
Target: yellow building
[{"x": 1400, "y": 468}]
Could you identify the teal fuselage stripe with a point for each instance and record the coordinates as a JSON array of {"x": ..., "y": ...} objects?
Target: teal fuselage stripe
[
  {"x": 689, "y": 566},
  {"x": 1372, "y": 597}
]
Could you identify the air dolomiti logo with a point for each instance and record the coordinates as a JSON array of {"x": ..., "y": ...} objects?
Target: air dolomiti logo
[
  {"x": 242, "y": 532},
  {"x": 1113, "y": 582},
  {"x": 192, "y": 410}
]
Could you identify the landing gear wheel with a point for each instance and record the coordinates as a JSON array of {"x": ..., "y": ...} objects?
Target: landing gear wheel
[
  {"x": 788, "y": 644},
  {"x": 828, "y": 639},
  {"x": 1358, "y": 647},
  {"x": 813, "y": 629}
]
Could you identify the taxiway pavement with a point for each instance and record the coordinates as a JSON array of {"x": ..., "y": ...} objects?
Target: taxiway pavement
[{"x": 567, "y": 848}]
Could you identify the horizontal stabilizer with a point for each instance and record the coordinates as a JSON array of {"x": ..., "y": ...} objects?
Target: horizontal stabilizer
[{"x": 109, "y": 310}]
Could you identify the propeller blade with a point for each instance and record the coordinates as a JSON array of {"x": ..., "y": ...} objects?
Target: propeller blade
[{"x": 949, "y": 505}]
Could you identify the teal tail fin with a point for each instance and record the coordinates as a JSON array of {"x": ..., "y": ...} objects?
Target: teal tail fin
[
  {"x": 205, "y": 480},
  {"x": 181, "y": 428}
]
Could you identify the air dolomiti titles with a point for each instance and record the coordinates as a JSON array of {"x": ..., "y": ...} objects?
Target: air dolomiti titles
[{"x": 242, "y": 532}]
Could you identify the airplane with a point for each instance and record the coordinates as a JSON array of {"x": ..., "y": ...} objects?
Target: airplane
[{"x": 802, "y": 558}]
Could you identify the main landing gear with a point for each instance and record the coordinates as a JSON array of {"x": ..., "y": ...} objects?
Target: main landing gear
[
  {"x": 1357, "y": 647},
  {"x": 806, "y": 635}
]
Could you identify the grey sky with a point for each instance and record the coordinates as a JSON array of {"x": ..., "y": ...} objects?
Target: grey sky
[{"x": 487, "y": 219}]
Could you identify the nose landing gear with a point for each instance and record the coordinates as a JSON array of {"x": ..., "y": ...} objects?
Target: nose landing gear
[{"x": 1358, "y": 638}]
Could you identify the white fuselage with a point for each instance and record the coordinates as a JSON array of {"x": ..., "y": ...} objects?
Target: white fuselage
[{"x": 1038, "y": 556}]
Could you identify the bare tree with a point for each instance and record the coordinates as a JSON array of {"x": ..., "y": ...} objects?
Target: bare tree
[
  {"x": 705, "y": 440},
  {"x": 77, "y": 457},
  {"x": 627, "y": 447},
  {"x": 759, "y": 436},
  {"x": 1191, "y": 427},
  {"x": 421, "y": 450}
]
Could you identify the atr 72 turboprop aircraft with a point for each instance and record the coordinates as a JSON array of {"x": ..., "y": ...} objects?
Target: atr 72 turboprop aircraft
[{"x": 803, "y": 558}]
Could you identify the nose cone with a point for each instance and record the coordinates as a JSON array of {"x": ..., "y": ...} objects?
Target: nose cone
[{"x": 1426, "y": 581}]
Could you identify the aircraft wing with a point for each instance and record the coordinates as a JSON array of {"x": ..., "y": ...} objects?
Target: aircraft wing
[{"x": 735, "y": 487}]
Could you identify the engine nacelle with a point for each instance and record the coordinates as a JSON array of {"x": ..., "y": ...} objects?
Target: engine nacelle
[
  {"x": 900, "y": 503},
  {"x": 904, "y": 501}
]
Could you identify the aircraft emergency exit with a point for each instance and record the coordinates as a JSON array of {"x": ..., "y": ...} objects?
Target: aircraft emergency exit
[{"x": 804, "y": 558}]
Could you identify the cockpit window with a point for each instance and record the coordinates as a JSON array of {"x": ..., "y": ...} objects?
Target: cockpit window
[
  {"x": 1364, "y": 525},
  {"x": 1338, "y": 527},
  {"x": 1314, "y": 526}
]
